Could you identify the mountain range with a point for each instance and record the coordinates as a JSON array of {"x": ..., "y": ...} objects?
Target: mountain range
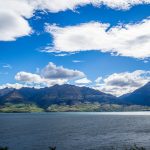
[
  {"x": 70, "y": 95},
  {"x": 140, "y": 96},
  {"x": 57, "y": 94}
]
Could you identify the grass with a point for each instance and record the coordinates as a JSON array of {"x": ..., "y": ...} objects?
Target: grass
[
  {"x": 80, "y": 107},
  {"x": 96, "y": 107},
  {"x": 74, "y": 108},
  {"x": 20, "y": 108}
]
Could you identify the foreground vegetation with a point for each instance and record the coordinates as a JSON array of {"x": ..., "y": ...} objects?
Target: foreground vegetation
[
  {"x": 96, "y": 107},
  {"x": 80, "y": 107},
  {"x": 135, "y": 147},
  {"x": 20, "y": 108}
]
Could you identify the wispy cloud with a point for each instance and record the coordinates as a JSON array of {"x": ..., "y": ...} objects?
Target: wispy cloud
[
  {"x": 77, "y": 61},
  {"x": 7, "y": 66}
]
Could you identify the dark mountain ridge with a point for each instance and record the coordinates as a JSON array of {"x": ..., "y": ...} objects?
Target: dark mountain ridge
[
  {"x": 72, "y": 98},
  {"x": 57, "y": 94},
  {"x": 140, "y": 96}
]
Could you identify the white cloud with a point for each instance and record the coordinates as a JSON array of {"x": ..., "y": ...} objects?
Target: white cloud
[
  {"x": 122, "y": 83},
  {"x": 7, "y": 66},
  {"x": 60, "y": 54},
  {"x": 131, "y": 40},
  {"x": 122, "y": 4},
  {"x": 28, "y": 77},
  {"x": 13, "y": 13},
  {"x": 19, "y": 86},
  {"x": 59, "y": 72},
  {"x": 35, "y": 79},
  {"x": 49, "y": 76},
  {"x": 98, "y": 80},
  {"x": 83, "y": 81},
  {"x": 15, "y": 85},
  {"x": 26, "y": 7},
  {"x": 12, "y": 26},
  {"x": 77, "y": 61},
  {"x": 57, "y": 5}
]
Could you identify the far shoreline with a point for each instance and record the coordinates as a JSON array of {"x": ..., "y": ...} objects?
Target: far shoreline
[{"x": 122, "y": 113}]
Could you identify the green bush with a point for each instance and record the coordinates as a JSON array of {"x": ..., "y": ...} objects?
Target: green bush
[
  {"x": 3, "y": 148},
  {"x": 135, "y": 147}
]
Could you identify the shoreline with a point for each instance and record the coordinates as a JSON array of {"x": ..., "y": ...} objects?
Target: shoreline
[{"x": 136, "y": 113}]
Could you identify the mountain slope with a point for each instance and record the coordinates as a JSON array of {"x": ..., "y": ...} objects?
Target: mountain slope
[
  {"x": 58, "y": 94},
  {"x": 140, "y": 96},
  {"x": 71, "y": 98}
]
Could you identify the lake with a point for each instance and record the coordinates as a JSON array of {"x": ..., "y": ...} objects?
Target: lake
[{"x": 74, "y": 131}]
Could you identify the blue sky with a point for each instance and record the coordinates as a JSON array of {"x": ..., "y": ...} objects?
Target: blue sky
[{"x": 46, "y": 46}]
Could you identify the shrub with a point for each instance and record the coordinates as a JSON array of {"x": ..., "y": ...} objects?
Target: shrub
[{"x": 3, "y": 148}]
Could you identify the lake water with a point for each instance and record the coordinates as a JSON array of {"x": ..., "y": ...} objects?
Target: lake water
[{"x": 74, "y": 131}]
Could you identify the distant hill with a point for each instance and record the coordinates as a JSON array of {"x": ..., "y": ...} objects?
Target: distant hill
[
  {"x": 71, "y": 98},
  {"x": 140, "y": 96},
  {"x": 57, "y": 94}
]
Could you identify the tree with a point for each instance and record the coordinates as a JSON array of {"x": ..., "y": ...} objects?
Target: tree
[
  {"x": 50, "y": 148},
  {"x": 3, "y": 148}
]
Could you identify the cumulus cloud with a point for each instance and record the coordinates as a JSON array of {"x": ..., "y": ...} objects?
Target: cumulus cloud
[
  {"x": 59, "y": 72},
  {"x": 26, "y": 7},
  {"x": 83, "y": 81},
  {"x": 14, "y": 13},
  {"x": 131, "y": 40},
  {"x": 57, "y": 5},
  {"x": 49, "y": 76},
  {"x": 35, "y": 79},
  {"x": 12, "y": 26},
  {"x": 28, "y": 77},
  {"x": 122, "y": 83}
]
